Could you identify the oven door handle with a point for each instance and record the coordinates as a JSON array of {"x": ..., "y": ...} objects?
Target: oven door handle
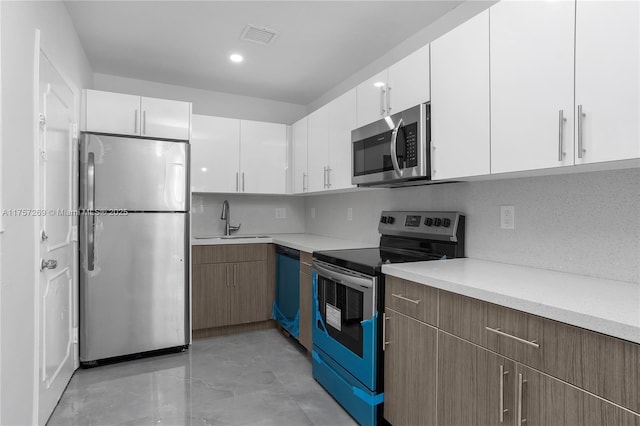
[
  {"x": 394, "y": 148},
  {"x": 348, "y": 280}
]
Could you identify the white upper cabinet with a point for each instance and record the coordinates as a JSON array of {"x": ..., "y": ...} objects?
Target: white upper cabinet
[
  {"x": 401, "y": 86},
  {"x": 121, "y": 114},
  {"x": 460, "y": 101},
  {"x": 607, "y": 76},
  {"x": 263, "y": 157},
  {"x": 531, "y": 85},
  {"x": 215, "y": 154},
  {"x": 299, "y": 139},
  {"x": 408, "y": 81},
  {"x": 318, "y": 149},
  {"x": 162, "y": 118},
  {"x": 342, "y": 119},
  {"x": 115, "y": 113}
]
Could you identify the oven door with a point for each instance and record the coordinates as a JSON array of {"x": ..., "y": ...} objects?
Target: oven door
[{"x": 345, "y": 319}]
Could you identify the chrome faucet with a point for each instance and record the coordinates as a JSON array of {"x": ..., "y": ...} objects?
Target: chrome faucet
[{"x": 225, "y": 216}]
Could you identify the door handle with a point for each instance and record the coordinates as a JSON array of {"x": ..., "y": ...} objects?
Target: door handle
[
  {"x": 385, "y": 318},
  {"x": 48, "y": 264},
  {"x": 502, "y": 409},
  {"x": 304, "y": 182},
  {"x": 135, "y": 121},
  {"x": 561, "y": 120},
  {"x": 521, "y": 382},
  {"x": 382, "y": 110},
  {"x": 91, "y": 195},
  {"x": 581, "y": 115},
  {"x": 328, "y": 177},
  {"x": 394, "y": 148},
  {"x": 388, "y": 100},
  {"x": 144, "y": 122}
]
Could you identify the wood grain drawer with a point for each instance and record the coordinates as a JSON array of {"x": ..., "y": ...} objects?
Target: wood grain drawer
[
  {"x": 229, "y": 253},
  {"x": 604, "y": 365},
  {"x": 414, "y": 300},
  {"x": 306, "y": 260}
]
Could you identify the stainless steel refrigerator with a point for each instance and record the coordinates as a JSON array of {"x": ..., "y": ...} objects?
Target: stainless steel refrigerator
[{"x": 134, "y": 246}]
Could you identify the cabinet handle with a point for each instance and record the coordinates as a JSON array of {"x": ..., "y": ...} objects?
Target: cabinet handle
[
  {"x": 533, "y": 343},
  {"x": 235, "y": 272},
  {"x": 328, "y": 177},
  {"x": 144, "y": 122},
  {"x": 242, "y": 181},
  {"x": 385, "y": 318},
  {"x": 401, "y": 297},
  {"x": 382, "y": 92},
  {"x": 226, "y": 276},
  {"x": 561, "y": 120},
  {"x": 521, "y": 382},
  {"x": 304, "y": 182},
  {"x": 324, "y": 177},
  {"x": 135, "y": 121},
  {"x": 502, "y": 409},
  {"x": 237, "y": 182},
  {"x": 388, "y": 100},
  {"x": 581, "y": 115}
]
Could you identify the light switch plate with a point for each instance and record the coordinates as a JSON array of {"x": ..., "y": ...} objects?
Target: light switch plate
[{"x": 507, "y": 217}]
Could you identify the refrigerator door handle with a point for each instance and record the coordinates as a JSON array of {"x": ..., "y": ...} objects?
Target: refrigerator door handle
[{"x": 91, "y": 196}]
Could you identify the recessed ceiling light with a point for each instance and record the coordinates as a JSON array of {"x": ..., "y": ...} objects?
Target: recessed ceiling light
[
  {"x": 378, "y": 84},
  {"x": 236, "y": 58}
]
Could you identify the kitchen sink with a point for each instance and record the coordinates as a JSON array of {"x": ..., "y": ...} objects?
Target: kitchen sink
[{"x": 231, "y": 237}]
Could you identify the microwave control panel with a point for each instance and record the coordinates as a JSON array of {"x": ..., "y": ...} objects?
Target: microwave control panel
[{"x": 411, "y": 144}]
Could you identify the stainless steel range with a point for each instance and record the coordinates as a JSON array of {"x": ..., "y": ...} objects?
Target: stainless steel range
[{"x": 348, "y": 291}]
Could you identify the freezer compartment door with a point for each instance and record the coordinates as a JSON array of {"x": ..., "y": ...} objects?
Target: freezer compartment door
[
  {"x": 133, "y": 174},
  {"x": 133, "y": 284}
]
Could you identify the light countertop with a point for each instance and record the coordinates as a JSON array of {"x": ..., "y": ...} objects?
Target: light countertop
[
  {"x": 606, "y": 306},
  {"x": 303, "y": 242}
]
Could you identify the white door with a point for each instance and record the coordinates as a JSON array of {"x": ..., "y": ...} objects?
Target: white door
[
  {"x": 166, "y": 119},
  {"x": 318, "y": 149},
  {"x": 607, "y": 80},
  {"x": 460, "y": 101},
  {"x": 371, "y": 99},
  {"x": 263, "y": 157},
  {"x": 109, "y": 112},
  {"x": 409, "y": 81},
  {"x": 300, "y": 177},
  {"x": 57, "y": 139},
  {"x": 215, "y": 154},
  {"x": 531, "y": 84},
  {"x": 342, "y": 119}
]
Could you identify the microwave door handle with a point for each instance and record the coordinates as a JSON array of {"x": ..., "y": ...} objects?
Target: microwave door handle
[{"x": 394, "y": 148}]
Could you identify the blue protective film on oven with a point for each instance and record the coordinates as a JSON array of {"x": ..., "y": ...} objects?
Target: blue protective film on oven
[
  {"x": 363, "y": 369},
  {"x": 292, "y": 325}
]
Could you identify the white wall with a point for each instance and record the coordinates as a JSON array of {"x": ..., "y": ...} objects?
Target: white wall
[
  {"x": 19, "y": 249},
  {"x": 206, "y": 102},
  {"x": 586, "y": 223},
  {"x": 256, "y": 213}
]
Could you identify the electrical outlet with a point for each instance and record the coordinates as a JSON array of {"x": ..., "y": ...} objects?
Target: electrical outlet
[
  {"x": 507, "y": 217},
  {"x": 349, "y": 213},
  {"x": 281, "y": 213},
  {"x": 313, "y": 212}
]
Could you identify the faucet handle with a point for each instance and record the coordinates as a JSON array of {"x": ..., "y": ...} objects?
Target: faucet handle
[{"x": 234, "y": 227}]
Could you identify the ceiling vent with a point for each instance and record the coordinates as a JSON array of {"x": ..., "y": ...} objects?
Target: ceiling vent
[{"x": 260, "y": 35}]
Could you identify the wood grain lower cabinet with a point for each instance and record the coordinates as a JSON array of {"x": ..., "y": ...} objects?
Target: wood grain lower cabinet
[
  {"x": 210, "y": 295},
  {"x": 474, "y": 385},
  {"x": 249, "y": 297},
  {"x": 306, "y": 301},
  {"x": 546, "y": 401},
  {"x": 410, "y": 366}
]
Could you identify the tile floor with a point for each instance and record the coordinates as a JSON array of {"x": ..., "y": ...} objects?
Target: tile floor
[{"x": 255, "y": 378}]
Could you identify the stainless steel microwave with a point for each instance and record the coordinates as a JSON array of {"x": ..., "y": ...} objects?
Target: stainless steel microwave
[{"x": 394, "y": 151}]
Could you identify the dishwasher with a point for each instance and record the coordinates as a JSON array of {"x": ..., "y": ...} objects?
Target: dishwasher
[{"x": 286, "y": 307}]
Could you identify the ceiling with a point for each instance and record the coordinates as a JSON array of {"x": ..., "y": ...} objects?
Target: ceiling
[{"x": 188, "y": 43}]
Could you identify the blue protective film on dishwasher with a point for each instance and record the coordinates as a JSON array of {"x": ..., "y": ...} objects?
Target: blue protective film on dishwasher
[{"x": 292, "y": 325}]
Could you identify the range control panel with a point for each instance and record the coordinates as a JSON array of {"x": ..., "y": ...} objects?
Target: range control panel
[{"x": 425, "y": 224}]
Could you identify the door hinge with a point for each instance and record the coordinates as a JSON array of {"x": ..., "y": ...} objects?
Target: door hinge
[
  {"x": 74, "y": 233},
  {"x": 75, "y": 334}
]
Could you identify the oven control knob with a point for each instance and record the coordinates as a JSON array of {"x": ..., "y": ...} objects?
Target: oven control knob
[
  {"x": 390, "y": 220},
  {"x": 446, "y": 222},
  {"x": 428, "y": 221},
  {"x": 437, "y": 221},
  {"x": 383, "y": 219}
]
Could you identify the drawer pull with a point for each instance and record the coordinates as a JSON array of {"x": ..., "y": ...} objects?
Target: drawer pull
[
  {"x": 306, "y": 264},
  {"x": 533, "y": 343},
  {"x": 401, "y": 297}
]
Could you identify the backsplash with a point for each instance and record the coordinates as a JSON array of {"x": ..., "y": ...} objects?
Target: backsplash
[
  {"x": 586, "y": 223},
  {"x": 256, "y": 213}
]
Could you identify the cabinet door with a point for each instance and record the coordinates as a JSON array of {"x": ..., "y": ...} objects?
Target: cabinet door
[
  {"x": 460, "y": 101},
  {"x": 163, "y": 118},
  {"x": 546, "y": 401},
  {"x": 410, "y": 367},
  {"x": 115, "y": 113},
  {"x": 263, "y": 157},
  {"x": 251, "y": 297},
  {"x": 342, "y": 119},
  {"x": 210, "y": 296},
  {"x": 531, "y": 82},
  {"x": 299, "y": 131},
  {"x": 318, "y": 149},
  {"x": 409, "y": 81},
  {"x": 306, "y": 300},
  {"x": 215, "y": 154},
  {"x": 371, "y": 99},
  {"x": 607, "y": 83},
  {"x": 474, "y": 385}
]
